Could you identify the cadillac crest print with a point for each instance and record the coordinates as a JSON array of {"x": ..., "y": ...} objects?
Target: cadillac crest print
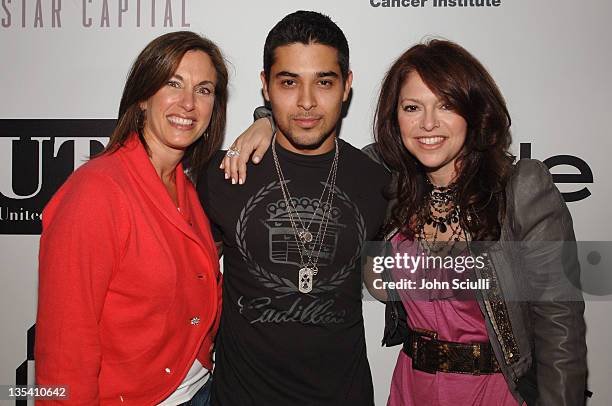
[{"x": 316, "y": 307}]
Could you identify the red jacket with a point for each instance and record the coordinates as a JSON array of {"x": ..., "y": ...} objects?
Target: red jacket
[{"x": 129, "y": 286}]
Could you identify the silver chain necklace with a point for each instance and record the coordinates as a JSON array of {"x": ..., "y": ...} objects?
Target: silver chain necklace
[{"x": 303, "y": 236}]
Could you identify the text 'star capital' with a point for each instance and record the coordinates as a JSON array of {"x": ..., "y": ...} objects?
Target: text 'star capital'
[{"x": 94, "y": 14}]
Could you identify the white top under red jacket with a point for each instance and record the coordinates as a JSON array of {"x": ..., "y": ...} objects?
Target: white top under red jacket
[{"x": 129, "y": 285}]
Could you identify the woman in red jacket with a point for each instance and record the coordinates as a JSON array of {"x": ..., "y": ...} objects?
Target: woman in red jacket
[{"x": 129, "y": 282}]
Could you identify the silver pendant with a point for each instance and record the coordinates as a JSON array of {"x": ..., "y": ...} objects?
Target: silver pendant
[
  {"x": 305, "y": 236},
  {"x": 305, "y": 280}
]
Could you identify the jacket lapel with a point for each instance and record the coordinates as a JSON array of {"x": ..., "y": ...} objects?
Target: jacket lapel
[{"x": 136, "y": 160}]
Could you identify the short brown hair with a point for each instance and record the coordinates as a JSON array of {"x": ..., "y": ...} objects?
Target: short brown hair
[{"x": 151, "y": 70}]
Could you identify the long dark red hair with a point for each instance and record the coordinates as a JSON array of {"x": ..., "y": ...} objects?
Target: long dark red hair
[{"x": 483, "y": 166}]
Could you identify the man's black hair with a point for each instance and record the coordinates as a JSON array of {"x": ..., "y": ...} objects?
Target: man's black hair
[{"x": 306, "y": 27}]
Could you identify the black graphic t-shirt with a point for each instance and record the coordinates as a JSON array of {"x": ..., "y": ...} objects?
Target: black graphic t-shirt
[{"x": 277, "y": 346}]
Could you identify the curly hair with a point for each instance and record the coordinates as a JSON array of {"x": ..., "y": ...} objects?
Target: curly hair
[{"x": 484, "y": 164}]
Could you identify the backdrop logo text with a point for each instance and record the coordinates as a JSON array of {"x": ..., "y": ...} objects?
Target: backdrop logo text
[{"x": 39, "y": 155}]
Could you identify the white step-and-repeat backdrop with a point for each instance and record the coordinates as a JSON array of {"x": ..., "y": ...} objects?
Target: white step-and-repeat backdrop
[{"x": 64, "y": 62}]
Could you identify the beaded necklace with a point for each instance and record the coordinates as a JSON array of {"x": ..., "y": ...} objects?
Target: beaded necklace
[{"x": 442, "y": 212}]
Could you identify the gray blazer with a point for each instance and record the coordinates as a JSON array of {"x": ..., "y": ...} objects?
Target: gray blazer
[{"x": 534, "y": 308}]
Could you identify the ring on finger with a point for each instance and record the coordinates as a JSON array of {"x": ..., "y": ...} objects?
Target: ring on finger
[{"x": 232, "y": 152}]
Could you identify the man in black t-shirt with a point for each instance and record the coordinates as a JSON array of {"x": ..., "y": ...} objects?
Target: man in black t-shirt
[{"x": 291, "y": 329}]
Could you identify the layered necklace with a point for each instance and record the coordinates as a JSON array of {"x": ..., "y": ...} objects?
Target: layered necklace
[
  {"x": 441, "y": 212},
  {"x": 305, "y": 240}
]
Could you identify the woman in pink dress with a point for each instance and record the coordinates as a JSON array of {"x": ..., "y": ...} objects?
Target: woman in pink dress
[{"x": 442, "y": 127}]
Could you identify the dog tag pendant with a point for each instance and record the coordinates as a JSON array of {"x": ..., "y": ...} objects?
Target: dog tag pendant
[{"x": 305, "y": 280}]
